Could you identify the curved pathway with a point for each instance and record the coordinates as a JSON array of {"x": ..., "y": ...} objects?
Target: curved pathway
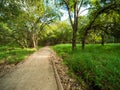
[{"x": 35, "y": 73}]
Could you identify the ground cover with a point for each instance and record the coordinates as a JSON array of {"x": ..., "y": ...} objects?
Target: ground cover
[
  {"x": 97, "y": 67},
  {"x": 13, "y": 55}
]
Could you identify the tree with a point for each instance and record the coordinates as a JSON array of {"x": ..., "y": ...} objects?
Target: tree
[
  {"x": 9, "y": 11},
  {"x": 73, "y": 8},
  {"x": 106, "y": 7},
  {"x": 26, "y": 19},
  {"x": 58, "y": 32},
  {"x": 5, "y": 34}
]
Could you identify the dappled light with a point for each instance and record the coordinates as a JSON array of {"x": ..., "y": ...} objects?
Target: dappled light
[{"x": 85, "y": 34}]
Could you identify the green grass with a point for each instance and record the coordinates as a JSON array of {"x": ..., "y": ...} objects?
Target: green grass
[
  {"x": 13, "y": 55},
  {"x": 97, "y": 66}
]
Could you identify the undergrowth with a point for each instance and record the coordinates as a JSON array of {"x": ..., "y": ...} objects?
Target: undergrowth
[
  {"x": 13, "y": 55},
  {"x": 98, "y": 66}
]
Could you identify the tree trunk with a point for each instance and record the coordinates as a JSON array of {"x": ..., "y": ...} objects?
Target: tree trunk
[
  {"x": 75, "y": 27},
  {"x": 74, "y": 23},
  {"x": 74, "y": 40},
  {"x": 103, "y": 41},
  {"x": 83, "y": 42},
  {"x": 35, "y": 42},
  {"x": 84, "y": 38}
]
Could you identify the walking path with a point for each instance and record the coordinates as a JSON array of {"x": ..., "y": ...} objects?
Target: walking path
[{"x": 35, "y": 73}]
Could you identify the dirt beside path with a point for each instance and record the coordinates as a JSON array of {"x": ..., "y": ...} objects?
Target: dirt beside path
[{"x": 35, "y": 73}]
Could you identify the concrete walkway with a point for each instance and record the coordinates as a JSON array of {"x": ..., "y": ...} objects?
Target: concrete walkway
[{"x": 35, "y": 73}]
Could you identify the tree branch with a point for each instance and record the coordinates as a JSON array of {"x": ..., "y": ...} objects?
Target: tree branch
[
  {"x": 67, "y": 5},
  {"x": 86, "y": 9},
  {"x": 80, "y": 7}
]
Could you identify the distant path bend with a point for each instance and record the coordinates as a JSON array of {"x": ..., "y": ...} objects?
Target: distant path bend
[{"x": 35, "y": 73}]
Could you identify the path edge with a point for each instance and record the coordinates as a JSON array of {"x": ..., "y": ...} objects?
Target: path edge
[{"x": 57, "y": 77}]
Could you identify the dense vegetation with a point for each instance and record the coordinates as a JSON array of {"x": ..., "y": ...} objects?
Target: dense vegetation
[
  {"x": 98, "y": 66},
  {"x": 27, "y": 24}
]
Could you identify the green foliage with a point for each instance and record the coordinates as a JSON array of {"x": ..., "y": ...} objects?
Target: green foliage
[
  {"x": 98, "y": 66},
  {"x": 14, "y": 54},
  {"x": 26, "y": 19},
  {"x": 5, "y": 34},
  {"x": 59, "y": 32}
]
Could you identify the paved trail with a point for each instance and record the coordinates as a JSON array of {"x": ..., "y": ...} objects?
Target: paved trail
[{"x": 36, "y": 73}]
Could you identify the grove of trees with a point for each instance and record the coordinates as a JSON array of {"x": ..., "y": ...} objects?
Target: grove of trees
[{"x": 29, "y": 23}]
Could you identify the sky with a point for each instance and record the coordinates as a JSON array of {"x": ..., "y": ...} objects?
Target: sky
[{"x": 65, "y": 13}]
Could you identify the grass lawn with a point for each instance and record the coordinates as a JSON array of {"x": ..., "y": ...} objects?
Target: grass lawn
[
  {"x": 97, "y": 67},
  {"x": 13, "y": 54}
]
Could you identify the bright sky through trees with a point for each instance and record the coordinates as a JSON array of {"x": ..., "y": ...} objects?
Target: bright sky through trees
[{"x": 65, "y": 13}]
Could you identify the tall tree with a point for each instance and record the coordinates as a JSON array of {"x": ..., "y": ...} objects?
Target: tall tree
[
  {"x": 73, "y": 8},
  {"x": 42, "y": 16}
]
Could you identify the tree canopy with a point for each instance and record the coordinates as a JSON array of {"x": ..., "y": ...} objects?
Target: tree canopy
[{"x": 25, "y": 22}]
